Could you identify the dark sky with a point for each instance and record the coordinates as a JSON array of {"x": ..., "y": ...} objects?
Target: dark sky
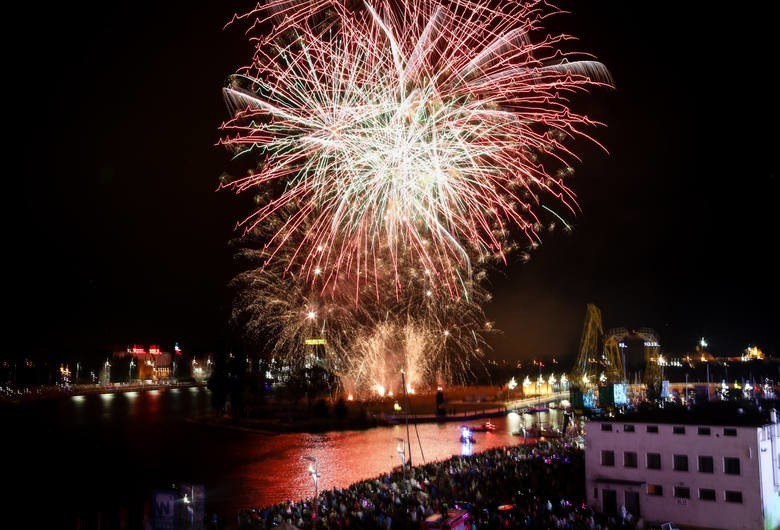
[{"x": 114, "y": 233}]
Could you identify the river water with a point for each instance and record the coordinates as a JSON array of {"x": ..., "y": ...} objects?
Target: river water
[{"x": 84, "y": 459}]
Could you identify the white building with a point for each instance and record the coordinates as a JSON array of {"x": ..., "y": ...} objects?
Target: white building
[{"x": 716, "y": 468}]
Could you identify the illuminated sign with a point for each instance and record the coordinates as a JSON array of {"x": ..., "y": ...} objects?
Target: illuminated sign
[
  {"x": 154, "y": 349},
  {"x": 621, "y": 394},
  {"x": 589, "y": 399},
  {"x": 315, "y": 342}
]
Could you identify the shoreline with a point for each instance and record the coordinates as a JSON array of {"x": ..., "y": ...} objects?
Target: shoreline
[
  {"x": 318, "y": 425},
  {"x": 300, "y": 421},
  {"x": 529, "y": 476},
  {"x": 54, "y": 393}
]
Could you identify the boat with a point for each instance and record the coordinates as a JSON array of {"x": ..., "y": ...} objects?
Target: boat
[
  {"x": 466, "y": 435},
  {"x": 488, "y": 426}
]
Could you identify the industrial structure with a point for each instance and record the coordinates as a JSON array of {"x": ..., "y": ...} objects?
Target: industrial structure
[
  {"x": 618, "y": 356},
  {"x": 599, "y": 356}
]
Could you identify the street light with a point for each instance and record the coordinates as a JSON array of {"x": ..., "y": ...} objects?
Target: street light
[
  {"x": 130, "y": 371},
  {"x": 402, "y": 453},
  {"x": 511, "y": 385},
  {"x": 315, "y": 476}
]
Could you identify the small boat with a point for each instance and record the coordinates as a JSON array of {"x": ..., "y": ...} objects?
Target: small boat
[{"x": 485, "y": 427}]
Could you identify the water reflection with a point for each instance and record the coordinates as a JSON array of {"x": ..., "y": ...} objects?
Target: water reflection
[
  {"x": 278, "y": 471},
  {"x": 149, "y": 433},
  {"x": 514, "y": 422}
]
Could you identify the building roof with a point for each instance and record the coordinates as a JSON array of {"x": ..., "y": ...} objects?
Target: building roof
[{"x": 726, "y": 413}]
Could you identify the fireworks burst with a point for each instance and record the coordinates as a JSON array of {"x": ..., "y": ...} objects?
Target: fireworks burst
[
  {"x": 420, "y": 133},
  {"x": 290, "y": 315},
  {"x": 439, "y": 343},
  {"x": 435, "y": 339}
]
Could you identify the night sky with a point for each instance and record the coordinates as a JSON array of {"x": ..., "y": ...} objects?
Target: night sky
[{"x": 114, "y": 233}]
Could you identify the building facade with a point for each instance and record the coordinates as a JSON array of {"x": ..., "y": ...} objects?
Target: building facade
[
  {"x": 147, "y": 364},
  {"x": 717, "y": 471}
]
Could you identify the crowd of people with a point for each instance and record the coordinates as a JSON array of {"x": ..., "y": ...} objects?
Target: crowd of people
[{"x": 527, "y": 487}]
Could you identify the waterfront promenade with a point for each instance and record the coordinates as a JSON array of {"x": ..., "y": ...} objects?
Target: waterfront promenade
[
  {"x": 476, "y": 412},
  {"x": 38, "y": 393},
  {"x": 376, "y": 415}
]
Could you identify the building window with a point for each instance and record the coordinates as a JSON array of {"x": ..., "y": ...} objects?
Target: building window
[
  {"x": 678, "y": 429},
  {"x": 728, "y": 431},
  {"x": 706, "y": 494},
  {"x": 681, "y": 462},
  {"x": 731, "y": 466},
  {"x": 652, "y": 428},
  {"x": 606, "y": 426},
  {"x": 608, "y": 458},
  {"x": 628, "y": 428},
  {"x": 706, "y": 464},
  {"x": 629, "y": 459},
  {"x": 655, "y": 489},
  {"x": 704, "y": 431},
  {"x": 653, "y": 460},
  {"x": 682, "y": 492},
  {"x": 733, "y": 496}
]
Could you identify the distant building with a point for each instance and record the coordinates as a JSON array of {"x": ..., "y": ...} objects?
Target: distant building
[
  {"x": 716, "y": 467},
  {"x": 149, "y": 363}
]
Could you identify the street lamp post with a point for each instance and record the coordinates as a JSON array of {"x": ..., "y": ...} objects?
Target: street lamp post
[
  {"x": 510, "y": 386},
  {"x": 402, "y": 453},
  {"x": 130, "y": 371},
  {"x": 315, "y": 476},
  {"x": 406, "y": 404}
]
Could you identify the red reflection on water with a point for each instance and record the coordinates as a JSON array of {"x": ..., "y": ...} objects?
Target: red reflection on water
[{"x": 279, "y": 468}]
